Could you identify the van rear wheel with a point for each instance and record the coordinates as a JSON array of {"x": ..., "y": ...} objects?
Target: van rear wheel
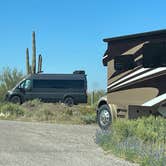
[
  {"x": 69, "y": 101},
  {"x": 16, "y": 100},
  {"x": 104, "y": 117}
]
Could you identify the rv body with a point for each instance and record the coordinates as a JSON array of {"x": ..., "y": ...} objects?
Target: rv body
[
  {"x": 136, "y": 74},
  {"x": 68, "y": 88}
]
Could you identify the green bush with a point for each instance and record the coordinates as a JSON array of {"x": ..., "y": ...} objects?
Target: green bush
[
  {"x": 97, "y": 95},
  {"x": 8, "y": 79},
  {"x": 142, "y": 140},
  {"x": 36, "y": 110},
  {"x": 10, "y": 110},
  {"x": 89, "y": 118}
]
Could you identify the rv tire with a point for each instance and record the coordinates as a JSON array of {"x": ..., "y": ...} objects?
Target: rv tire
[{"x": 104, "y": 117}]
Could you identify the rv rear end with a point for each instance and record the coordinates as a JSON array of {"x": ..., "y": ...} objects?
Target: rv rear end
[{"x": 136, "y": 76}]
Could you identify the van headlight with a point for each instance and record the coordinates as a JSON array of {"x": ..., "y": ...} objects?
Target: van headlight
[{"x": 9, "y": 92}]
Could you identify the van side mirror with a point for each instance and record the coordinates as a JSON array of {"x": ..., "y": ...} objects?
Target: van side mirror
[{"x": 124, "y": 62}]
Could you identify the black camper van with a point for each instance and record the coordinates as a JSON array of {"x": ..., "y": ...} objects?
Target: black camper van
[{"x": 68, "y": 88}]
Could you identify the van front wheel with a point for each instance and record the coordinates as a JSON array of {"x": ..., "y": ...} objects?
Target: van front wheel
[
  {"x": 69, "y": 101},
  {"x": 104, "y": 117},
  {"x": 16, "y": 100}
]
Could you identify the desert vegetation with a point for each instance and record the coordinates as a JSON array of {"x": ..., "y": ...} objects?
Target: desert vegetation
[
  {"x": 48, "y": 112},
  {"x": 31, "y": 68},
  {"x": 35, "y": 110},
  {"x": 8, "y": 79},
  {"x": 94, "y": 96},
  {"x": 142, "y": 140}
]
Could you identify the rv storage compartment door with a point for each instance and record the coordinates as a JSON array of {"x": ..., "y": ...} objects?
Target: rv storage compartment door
[{"x": 136, "y": 111}]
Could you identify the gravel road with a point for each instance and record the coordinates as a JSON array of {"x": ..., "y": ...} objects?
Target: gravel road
[{"x": 42, "y": 144}]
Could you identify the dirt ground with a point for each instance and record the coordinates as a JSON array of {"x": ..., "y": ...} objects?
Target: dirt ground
[{"x": 42, "y": 144}]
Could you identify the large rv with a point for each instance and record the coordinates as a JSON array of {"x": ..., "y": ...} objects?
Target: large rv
[
  {"x": 68, "y": 88},
  {"x": 136, "y": 77}
]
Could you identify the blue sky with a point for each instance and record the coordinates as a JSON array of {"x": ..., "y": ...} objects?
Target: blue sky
[{"x": 69, "y": 33}]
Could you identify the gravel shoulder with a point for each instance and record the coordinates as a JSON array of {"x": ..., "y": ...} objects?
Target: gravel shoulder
[{"x": 42, "y": 144}]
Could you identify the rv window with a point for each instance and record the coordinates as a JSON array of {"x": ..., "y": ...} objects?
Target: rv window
[
  {"x": 154, "y": 55},
  {"x": 124, "y": 62},
  {"x": 60, "y": 84}
]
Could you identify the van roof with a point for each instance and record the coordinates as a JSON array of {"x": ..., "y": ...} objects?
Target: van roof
[{"x": 58, "y": 76}]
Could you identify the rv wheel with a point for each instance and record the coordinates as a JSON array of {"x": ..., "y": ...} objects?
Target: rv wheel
[
  {"x": 15, "y": 100},
  {"x": 69, "y": 101},
  {"x": 104, "y": 117}
]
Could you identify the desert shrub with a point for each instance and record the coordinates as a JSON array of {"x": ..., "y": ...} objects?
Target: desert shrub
[
  {"x": 142, "y": 140},
  {"x": 32, "y": 103},
  {"x": 36, "y": 110},
  {"x": 89, "y": 118},
  {"x": 8, "y": 79},
  {"x": 123, "y": 129},
  {"x": 9, "y": 110},
  {"x": 58, "y": 112},
  {"x": 97, "y": 95}
]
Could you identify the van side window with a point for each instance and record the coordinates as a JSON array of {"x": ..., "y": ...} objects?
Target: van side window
[
  {"x": 62, "y": 84},
  {"x": 154, "y": 55},
  {"x": 27, "y": 84},
  {"x": 22, "y": 85},
  {"x": 124, "y": 62}
]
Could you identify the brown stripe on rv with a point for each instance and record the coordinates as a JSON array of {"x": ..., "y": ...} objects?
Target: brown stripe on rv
[
  {"x": 129, "y": 78},
  {"x": 124, "y": 74},
  {"x": 156, "y": 80}
]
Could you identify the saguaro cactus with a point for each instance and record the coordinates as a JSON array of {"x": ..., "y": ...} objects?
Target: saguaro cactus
[
  {"x": 33, "y": 53},
  {"x": 27, "y": 62},
  {"x": 40, "y": 63},
  {"x": 31, "y": 68}
]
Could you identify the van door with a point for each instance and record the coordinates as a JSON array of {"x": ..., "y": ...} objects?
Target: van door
[
  {"x": 44, "y": 90},
  {"x": 26, "y": 89}
]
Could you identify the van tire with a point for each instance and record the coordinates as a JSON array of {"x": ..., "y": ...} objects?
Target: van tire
[
  {"x": 16, "y": 100},
  {"x": 69, "y": 101},
  {"x": 104, "y": 117}
]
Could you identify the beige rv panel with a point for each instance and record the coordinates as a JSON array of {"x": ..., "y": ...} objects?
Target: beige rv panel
[
  {"x": 111, "y": 70},
  {"x": 134, "y": 49},
  {"x": 136, "y": 96}
]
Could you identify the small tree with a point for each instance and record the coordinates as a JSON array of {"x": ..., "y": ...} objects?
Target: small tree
[
  {"x": 94, "y": 96},
  {"x": 8, "y": 79}
]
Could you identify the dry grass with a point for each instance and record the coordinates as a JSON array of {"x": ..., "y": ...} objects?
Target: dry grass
[
  {"x": 48, "y": 112},
  {"x": 142, "y": 140}
]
